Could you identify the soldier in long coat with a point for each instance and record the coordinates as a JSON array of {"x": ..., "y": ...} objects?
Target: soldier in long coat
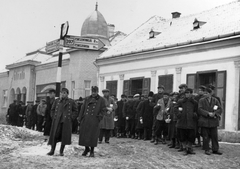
[
  {"x": 107, "y": 123},
  {"x": 120, "y": 124},
  {"x": 129, "y": 115},
  {"x": 89, "y": 118},
  {"x": 34, "y": 115},
  {"x": 63, "y": 111},
  {"x": 47, "y": 119},
  {"x": 13, "y": 115},
  {"x": 147, "y": 115},
  {"x": 209, "y": 111}
]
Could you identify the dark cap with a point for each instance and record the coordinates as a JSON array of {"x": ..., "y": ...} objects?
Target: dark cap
[
  {"x": 161, "y": 87},
  {"x": 209, "y": 90},
  {"x": 105, "y": 90},
  {"x": 150, "y": 94},
  {"x": 182, "y": 85},
  {"x": 123, "y": 96},
  {"x": 189, "y": 90},
  {"x": 174, "y": 93},
  {"x": 65, "y": 90},
  {"x": 166, "y": 94},
  {"x": 37, "y": 101},
  {"x": 80, "y": 99},
  {"x": 94, "y": 89},
  {"x": 52, "y": 91},
  {"x": 211, "y": 86},
  {"x": 203, "y": 88}
]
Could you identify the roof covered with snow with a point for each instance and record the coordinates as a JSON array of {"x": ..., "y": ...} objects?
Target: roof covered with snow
[{"x": 221, "y": 21}]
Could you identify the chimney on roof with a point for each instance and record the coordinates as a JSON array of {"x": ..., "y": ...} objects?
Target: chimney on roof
[
  {"x": 111, "y": 29},
  {"x": 176, "y": 15}
]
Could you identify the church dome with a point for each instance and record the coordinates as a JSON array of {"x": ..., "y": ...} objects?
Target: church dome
[{"x": 95, "y": 26}]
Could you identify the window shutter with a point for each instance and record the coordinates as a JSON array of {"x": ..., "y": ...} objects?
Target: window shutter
[
  {"x": 191, "y": 82},
  {"x": 126, "y": 87},
  {"x": 146, "y": 86},
  {"x": 221, "y": 93}
]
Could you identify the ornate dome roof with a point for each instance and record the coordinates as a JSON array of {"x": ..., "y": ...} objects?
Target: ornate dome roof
[{"x": 95, "y": 25}]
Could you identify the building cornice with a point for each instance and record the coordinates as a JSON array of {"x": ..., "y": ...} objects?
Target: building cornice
[
  {"x": 24, "y": 63},
  {"x": 51, "y": 65},
  {"x": 174, "y": 66},
  {"x": 4, "y": 74},
  {"x": 174, "y": 50}
]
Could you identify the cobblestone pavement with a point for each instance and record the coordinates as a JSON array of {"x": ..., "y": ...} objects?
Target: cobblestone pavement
[{"x": 120, "y": 153}]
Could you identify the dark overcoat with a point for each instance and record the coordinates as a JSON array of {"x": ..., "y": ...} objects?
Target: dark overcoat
[
  {"x": 187, "y": 117},
  {"x": 204, "y": 108},
  {"x": 139, "y": 125},
  {"x": 119, "y": 114},
  {"x": 128, "y": 110},
  {"x": 90, "y": 116},
  {"x": 67, "y": 114},
  {"x": 48, "y": 118},
  {"x": 107, "y": 122},
  {"x": 147, "y": 113}
]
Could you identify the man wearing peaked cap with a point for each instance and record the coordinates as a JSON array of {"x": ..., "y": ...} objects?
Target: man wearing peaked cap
[
  {"x": 105, "y": 90},
  {"x": 156, "y": 98},
  {"x": 209, "y": 111},
  {"x": 120, "y": 120},
  {"x": 63, "y": 112},
  {"x": 90, "y": 116},
  {"x": 201, "y": 93},
  {"x": 210, "y": 86},
  {"x": 182, "y": 88},
  {"x": 138, "y": 131}
]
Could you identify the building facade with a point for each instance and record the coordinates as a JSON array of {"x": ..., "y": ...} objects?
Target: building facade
[
  {"x": 199, "y": 49},
  {"x": 31, "y": 77}
]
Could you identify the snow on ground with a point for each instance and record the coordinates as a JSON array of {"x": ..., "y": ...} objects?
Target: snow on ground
[{"x": 29, "y": 152}]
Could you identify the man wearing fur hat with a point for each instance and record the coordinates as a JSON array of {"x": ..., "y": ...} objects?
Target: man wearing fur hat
[
  {"x": 186, "y": 123},
  {"x": 63, "y": 112},
  {"x": 209, "y": 111}
]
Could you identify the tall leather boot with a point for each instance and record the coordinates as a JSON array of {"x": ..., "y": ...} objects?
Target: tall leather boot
[
  {"x": 91, "y": 152},
  {"x": 61, "y": 150},
  {"x": 52, "y": 149},
  {"x": 86, "y": 151}
]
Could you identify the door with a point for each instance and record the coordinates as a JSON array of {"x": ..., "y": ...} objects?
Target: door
[
  {"x": 166, "y": 81},
  {"x": 126, "y": 87},
  {"x": 112, "y": 87},
  {"x": 146, "y": 86},
  {"x": 221, "y": 93}
]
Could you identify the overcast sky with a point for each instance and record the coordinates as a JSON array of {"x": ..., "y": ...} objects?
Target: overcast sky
[{"x": 26, "y": 25}]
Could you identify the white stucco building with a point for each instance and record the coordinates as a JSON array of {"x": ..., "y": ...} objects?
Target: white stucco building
[{"x": 198, "y": 49}]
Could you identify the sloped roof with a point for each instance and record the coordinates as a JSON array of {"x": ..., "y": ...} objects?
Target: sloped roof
[
  {"x": 117, "y": 37},
  {"x": 221, "y": 21}
]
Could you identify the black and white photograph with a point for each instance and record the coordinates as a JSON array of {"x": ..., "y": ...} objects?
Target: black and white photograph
[{"x": 120, "y": 84}]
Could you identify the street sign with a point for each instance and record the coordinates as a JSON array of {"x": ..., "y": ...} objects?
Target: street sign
[
  {"x": 64, "y": 30},
  {"x": 82, "y": 42},
  {"x": 52, "y": 46}
]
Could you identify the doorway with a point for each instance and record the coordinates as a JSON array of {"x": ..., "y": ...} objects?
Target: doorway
[
  {"x": 137, "y": 86},
  {"x": 206, "y": 78}
]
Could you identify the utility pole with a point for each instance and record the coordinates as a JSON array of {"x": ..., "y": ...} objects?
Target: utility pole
[{"x": 63, "y": 33}]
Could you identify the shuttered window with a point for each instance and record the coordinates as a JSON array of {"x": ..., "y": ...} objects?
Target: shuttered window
[{"x": 112, "y": 87}]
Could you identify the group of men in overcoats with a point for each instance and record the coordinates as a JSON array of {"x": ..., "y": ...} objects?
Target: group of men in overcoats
[{"x": 178, "y": 116}]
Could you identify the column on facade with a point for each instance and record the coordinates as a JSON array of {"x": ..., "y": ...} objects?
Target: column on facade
[
  {"x": 236, "y": 114},
  {"x": 178, "y": 77},
  {"x": 153, "y": 81},
  {"x": 101, "y": 87},
  {"x": 120, "y": 85}
]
